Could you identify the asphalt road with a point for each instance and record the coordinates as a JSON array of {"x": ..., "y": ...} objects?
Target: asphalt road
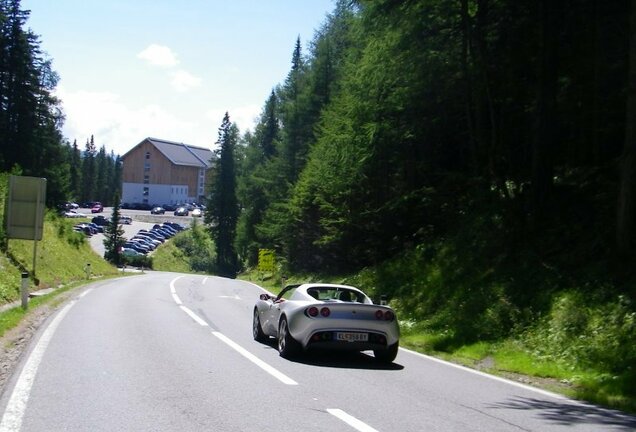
[{"x": 174, "y": 352}]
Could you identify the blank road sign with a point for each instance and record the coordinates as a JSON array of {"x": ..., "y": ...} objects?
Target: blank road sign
[{"x": 25, "y": 207}]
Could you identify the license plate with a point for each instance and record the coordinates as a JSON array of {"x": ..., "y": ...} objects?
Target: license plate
[{"x": 352, "y": 337}]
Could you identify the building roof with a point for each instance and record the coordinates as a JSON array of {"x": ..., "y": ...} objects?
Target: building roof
[{"x": 181, "y": 154}]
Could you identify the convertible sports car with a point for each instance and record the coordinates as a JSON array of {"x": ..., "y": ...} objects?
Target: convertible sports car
[{"x": 326, "y": 316}]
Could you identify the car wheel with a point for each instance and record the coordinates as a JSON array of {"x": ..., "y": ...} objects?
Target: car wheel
[
  {"x": 387, "y": 355},
  {"x": 287, "y": 345},
  {"x": 257, "y": 330}
]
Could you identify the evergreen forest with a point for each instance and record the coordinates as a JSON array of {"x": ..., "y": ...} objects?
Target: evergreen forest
[{"x": 31, "y": 119}]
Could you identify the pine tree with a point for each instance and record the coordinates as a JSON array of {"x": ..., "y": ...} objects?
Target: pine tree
[
  {"x": 89, "y": 171},
  {"x": 75, "y": 171},
  {"x": 222, "y": 213},
  {"x": 114, "y": 236}
]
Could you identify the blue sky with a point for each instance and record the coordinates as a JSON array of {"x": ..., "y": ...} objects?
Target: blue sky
[{"x": 131, "y": 69}]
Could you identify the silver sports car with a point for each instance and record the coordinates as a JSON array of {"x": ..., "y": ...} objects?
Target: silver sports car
[{"x": 326, "y": 316}]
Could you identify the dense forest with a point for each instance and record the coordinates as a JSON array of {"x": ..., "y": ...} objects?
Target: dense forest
[
  {"x": 407, "y": 119},
  {"x": 473, "y": 159},
  {"x": 31, "y": 119}
]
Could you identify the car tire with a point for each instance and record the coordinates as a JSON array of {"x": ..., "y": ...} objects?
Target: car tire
[
  {"x": 287, "y": 345},
  {"x": 387, "y": 355},
  {"x": 257, "y": 330}
]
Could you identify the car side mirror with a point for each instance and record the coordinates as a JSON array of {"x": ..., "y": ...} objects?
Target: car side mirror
[{"x": 264, "y": 297}]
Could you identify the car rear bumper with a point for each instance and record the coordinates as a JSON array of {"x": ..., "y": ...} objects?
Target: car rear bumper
[{"x": 328, "y": 340}]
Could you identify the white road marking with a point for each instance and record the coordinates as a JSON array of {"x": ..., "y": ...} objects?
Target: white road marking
[
  {"x": 235, "y": 297},
  {"x": 173, "y": 291},
  {"x": 485, "y": 375},
  {"x": 14, "y": 413},
  {"x": 205, "y": 279},
  {"x": 258, "y": 362},
  {"x": 245, "y": 353},
  {"x": 193, "y": 316},
  {"x": 350, "y": 420}
]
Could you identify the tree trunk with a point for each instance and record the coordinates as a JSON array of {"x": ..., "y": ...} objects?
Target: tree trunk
[
  {"x": 625, "y": 216},
  {"x": 542, "y": 163}
]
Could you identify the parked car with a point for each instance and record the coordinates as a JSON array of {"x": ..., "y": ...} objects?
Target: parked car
[
  {"x": 97, "y": 207},
  {"x": 142, "y": 244},
  {"x": 100, "y": 220},
  {"x": 72, "y": 214},
  {"x": 158, "y": 210},
  {"x": 152, "y": 243},
  {"x": 125, "y": 220},
  {"x": 167, "y": 228},
  {"x": 197, "y": 212},
  {"x": 162, "y": 231},
  {"x": 326, "y": 316},
  {"x": 139, "y": 248},
  {"x": 174, "y": 226},
  {"x": 145, "y": 233},
  {"x": 97, "y": 228},
  {"x": 85, "y": 228},
  {"x": 128, "y": 252},
  {"x": 181, "y": 211}
]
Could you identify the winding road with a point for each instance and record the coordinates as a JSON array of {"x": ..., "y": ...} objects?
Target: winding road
[{"x": 174, "y": 352}]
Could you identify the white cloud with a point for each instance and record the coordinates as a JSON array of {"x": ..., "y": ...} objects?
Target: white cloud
[
  {"x": 119, "y": 128},
  {"x": 182, "y": 81},
  {"x": 159, "y": 55}
]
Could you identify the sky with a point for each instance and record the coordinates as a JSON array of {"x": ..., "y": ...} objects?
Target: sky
[{"x": 167, "y": 69}]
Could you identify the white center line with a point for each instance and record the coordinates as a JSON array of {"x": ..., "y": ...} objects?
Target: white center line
[
  {"x": 258, "y": 362},
  {"x": 193, "y": 316},
  {"x": 245, "y": 353},
  {"x": 350, "y": 420},
  {"x": 173, "y": 291}
]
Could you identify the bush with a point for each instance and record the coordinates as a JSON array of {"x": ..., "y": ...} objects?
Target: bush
[
  {"x": 141, "y": 261},
  {"x": 587, "y": 333}
]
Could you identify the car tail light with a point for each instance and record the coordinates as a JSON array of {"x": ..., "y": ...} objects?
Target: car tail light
[
  {"x": 384, "y": 315},
  {"x": 325, "y": 312},
  {"x": 313, "y": 311}
]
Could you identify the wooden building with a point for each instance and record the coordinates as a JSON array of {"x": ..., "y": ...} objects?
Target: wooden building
[{"x": 157, "y": 172}]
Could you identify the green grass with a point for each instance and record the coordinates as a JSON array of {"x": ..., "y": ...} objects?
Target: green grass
[
  {"x": 512, "y": 360},
  {"x": 169, "y": 257},
  {"x": 62, "y": 256}
]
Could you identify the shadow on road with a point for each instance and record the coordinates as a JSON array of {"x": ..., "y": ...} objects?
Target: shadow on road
[
  {"x": 569, "y": 413},
  {"x": 338, "y": 359}
]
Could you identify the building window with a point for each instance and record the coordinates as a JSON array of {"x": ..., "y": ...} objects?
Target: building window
[
  {"x": 146, "y": 179},
  {"x": 147, "y": 155},
  {"x": 146, "y": 191},
  {"x": 147, "y": 166}
]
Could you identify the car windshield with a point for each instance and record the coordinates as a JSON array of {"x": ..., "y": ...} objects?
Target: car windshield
[
  {"x": 287, "y": 292},
  {"x": 336, "y": 294}
]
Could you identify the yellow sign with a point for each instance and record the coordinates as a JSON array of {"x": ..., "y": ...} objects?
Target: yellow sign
[{"x": 266, "y": 260}]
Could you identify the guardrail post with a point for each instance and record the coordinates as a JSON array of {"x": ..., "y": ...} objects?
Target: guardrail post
[{"x": 24, "y": 290}]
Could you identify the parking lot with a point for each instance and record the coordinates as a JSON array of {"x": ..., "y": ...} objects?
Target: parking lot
[{"x": 140, "y": 220}]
